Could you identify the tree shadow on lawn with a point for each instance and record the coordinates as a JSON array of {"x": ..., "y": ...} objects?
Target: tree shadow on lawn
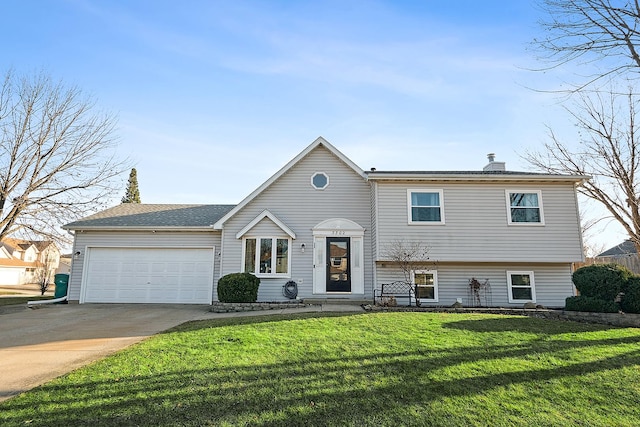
[
  {"x": 524, "y": 325},
  {"x": 371, "y": 389}
]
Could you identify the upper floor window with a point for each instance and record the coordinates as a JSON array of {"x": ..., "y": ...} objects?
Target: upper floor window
[
  {"x": 266, "y": 256},
  {"x": 320, "y": 180},
  {"x": 525, "y": 207},
  {"x": 425, "y": 206},
  {"x": 521, "y": 286}
]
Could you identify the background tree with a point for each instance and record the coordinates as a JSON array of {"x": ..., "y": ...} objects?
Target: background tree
[
  {"x": 608, "y": 150},
  {"x": 601, "y": 35},
  {"x": 133, "y": 194},
  {"x": 57, "y": 160},
  {"x": 44, "y": 273},
  {"x": 602, "y": 38}
]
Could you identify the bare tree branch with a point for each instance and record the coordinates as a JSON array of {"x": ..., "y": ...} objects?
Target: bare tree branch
[
  {"x": 601, "y": 35},
  {"x": 57, "y": 156},
  {"x": 606, "y": 150}
]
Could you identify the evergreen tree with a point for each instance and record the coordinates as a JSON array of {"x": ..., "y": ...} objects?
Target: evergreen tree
[{"x": 133, "y": 194}]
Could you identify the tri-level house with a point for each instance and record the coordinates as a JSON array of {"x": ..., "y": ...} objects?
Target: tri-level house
[{"x": 335, "y": 230}]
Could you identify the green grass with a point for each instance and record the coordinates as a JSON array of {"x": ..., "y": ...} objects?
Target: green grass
[
  {"x": 21, "y": 299},
  {"x": 383, "y": 369}
]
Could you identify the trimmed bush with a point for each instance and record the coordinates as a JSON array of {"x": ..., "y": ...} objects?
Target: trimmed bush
[
  {"x": 630, "y": 302},
  {"x": 238, "y": 287},
  {"x": 602, "y": 281},
  {"x": 583, "y": 303}
]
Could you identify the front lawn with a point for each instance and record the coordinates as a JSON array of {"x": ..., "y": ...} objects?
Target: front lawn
[
  {"x": 365, "y": 369},
  {"x": 14, "y": 300}
]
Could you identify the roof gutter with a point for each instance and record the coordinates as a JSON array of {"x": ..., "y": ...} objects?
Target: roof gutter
[
  {"x": 135, "y": 228},
  {"x": 377, "y": 176}
]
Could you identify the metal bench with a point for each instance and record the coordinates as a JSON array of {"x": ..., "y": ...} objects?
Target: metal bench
[{"x": 389, "y": 291}]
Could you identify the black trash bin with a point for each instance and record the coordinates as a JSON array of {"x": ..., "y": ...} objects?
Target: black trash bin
[{"x": 61, "y": 281}]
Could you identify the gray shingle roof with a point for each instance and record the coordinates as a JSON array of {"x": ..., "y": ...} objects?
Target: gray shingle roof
[
  {"x": 138, "y": 215},
  {"x": 624, "y": 248}
]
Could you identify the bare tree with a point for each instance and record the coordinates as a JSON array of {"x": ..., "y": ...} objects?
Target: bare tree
[
  {"x": 607, "y": 150},
  {"x": 592, "y": 33},
  {"x": 57, "y": 160},
  {"x": 44, "y": 273},
  {"x": 409, "y": 256},
  {"x": 590, "y": 222}
]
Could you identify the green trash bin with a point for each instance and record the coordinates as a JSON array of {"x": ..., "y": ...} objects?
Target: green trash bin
[{"x": 61, "y": 281}]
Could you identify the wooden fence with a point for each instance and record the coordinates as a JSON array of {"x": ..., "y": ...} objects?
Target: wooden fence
[{"x": 631, "y": 261}]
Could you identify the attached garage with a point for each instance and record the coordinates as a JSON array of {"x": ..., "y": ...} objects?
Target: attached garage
[
  {"x": 11, "y": 275},
  {"x": 148, "y": 275}
]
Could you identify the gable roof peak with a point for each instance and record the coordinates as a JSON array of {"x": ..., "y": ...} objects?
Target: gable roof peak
[{"x": 319, "y": 141}]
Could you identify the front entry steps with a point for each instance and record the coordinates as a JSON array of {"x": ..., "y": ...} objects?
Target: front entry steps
[{"x": 337, "y": 301}]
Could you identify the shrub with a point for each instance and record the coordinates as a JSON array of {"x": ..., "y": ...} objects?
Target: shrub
[
  {"x": 583, "y": 303},
  {"x": 238, "y": 287},
  {"x": 630, "y": 302},
  {"x": 603, "y": 281}
]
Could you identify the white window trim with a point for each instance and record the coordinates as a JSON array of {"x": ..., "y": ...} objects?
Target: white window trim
[
  {"x": 425, "y": 190},
  {"x": 435, "y": 283},
  {"x": 510, "y": 286},
  {"x": 508, "y": 193},
  {"x": 273, "y": 256},
  {"x": 326, "y": 175}
]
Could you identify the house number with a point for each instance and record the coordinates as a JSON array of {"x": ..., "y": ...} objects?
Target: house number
[{"x": 339, "y": 232}]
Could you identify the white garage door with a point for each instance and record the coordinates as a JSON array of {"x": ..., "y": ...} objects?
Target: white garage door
[
  {"x": 148, "y": 275},
  {"x": 10, "y": 276}
]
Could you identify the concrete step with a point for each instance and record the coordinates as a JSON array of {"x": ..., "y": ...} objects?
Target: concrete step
[{"x": 337, "y": 301}]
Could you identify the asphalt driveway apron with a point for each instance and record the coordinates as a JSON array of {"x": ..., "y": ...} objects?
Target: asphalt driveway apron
[{"x": 37, "y": 345}]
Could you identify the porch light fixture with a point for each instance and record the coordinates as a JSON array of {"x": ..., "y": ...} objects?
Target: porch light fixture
[
  {"x": 302, "y": 246},
  {"x": 76, "y": 255}
]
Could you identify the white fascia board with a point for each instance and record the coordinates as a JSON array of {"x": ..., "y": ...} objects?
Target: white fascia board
[
  {"x": 479, "y": 177},
  {"x": 145, "y": 228},
  {"x": 319, "y": 141},
  {"x": 273, "y": 218}
]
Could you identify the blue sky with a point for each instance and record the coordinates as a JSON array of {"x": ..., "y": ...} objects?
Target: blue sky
[{"x": 213, "y": 97}]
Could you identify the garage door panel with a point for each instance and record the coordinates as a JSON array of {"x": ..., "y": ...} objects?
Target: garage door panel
[{"x": 149, "y": 275}]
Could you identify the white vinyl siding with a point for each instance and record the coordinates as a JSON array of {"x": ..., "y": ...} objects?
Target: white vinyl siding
[
  {"x": 552, "y": 283},
  {"x": 476, "y": 229},
  {"x": 297, "y": 204}
]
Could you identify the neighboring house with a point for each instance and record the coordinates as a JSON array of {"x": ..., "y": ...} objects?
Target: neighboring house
[
  {"x": 12, "y": 270},
  {"x": 624, "y": 254},
  {"x": 27, "y": 261},
  {"x": 326, "y": 224},
  {"x": 64, "y": 267},
  {"x": 623, "y": 249}
]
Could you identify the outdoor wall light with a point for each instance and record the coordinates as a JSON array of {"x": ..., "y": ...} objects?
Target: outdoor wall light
[
  {"x": 302, "y": 246},
  {"x": 76, "y": 255}
]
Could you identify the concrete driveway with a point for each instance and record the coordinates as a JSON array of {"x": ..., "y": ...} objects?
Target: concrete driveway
[{"x": 37, "y": 345}]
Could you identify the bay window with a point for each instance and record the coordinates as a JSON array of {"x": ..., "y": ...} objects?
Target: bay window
[{"x": 266, "y": 256}]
